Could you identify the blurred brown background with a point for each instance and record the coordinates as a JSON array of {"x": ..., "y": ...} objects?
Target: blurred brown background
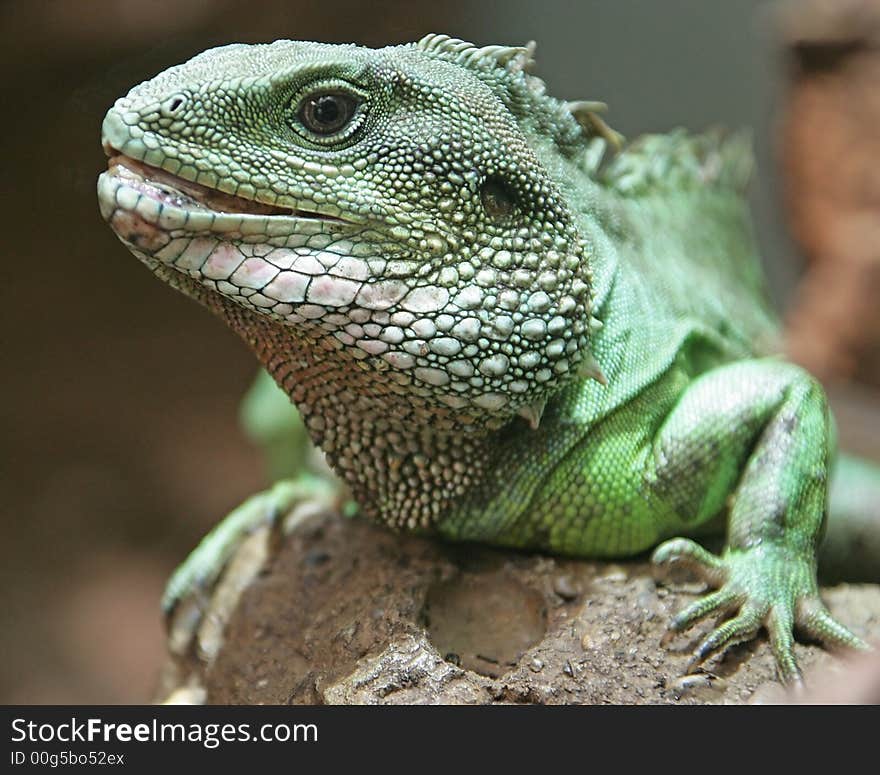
[{"x": 120, "y": 444}]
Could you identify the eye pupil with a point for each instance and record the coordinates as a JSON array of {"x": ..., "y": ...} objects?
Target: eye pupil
[
  {"x": 327, "y": 109},
  {"x": 325, "y": 113}
]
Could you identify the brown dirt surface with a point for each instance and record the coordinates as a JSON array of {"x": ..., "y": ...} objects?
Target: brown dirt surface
[{"x": 347, "y": 612}]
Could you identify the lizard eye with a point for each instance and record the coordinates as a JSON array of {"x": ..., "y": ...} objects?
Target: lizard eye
[{"x": 326, "y": 112}]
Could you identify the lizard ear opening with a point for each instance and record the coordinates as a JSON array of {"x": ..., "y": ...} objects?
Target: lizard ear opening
[{"x": 498, "y": 200}]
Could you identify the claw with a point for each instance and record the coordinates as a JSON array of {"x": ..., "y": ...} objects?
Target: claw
[
  {"x": 183, "y": 623},
  {"x": 692, "y": 556}
]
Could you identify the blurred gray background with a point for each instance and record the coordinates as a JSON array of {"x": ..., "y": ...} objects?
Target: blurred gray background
[{"x": 119, "y": 434}]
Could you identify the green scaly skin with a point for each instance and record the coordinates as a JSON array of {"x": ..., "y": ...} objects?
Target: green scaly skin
[{"x": 492, "y": 333}]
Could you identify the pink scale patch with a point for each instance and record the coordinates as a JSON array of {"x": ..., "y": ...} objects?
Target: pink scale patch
[
  {"x": 382, "y": 294},
  {"x": 223, "y": 261},
  {"x": 288, "y": 287},
  {"x": 333, "y": 291},
  {"x": 254, "y": 273}
]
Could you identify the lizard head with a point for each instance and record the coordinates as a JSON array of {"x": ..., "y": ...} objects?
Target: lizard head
[{"x": 379, "y": 213}]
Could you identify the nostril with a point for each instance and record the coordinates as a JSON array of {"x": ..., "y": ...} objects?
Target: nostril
[{"x": 173, "y": 105}]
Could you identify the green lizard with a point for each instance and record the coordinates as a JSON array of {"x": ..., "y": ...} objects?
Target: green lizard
[{"x": 497, "y": 324}]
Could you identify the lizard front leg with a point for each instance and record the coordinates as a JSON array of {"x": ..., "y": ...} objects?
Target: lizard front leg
[
  {"x": 203, "y": 592},
  {"x": 755, "y": 435}
]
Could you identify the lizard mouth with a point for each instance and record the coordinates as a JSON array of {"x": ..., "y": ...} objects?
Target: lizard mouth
[
  {"x": 144, "y": 204},
  {"x": 169, "y": 189}
]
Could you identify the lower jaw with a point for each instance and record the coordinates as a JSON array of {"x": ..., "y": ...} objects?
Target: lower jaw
[{"x": 137, "y": 233}]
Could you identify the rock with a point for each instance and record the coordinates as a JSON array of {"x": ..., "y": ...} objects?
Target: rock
[
  {"x": 388, "y": 618},
  {"x": 566, "y": 588}
]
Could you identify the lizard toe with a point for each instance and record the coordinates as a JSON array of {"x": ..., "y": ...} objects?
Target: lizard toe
[
  {"x": 739, "y": 629},
  {"x": 780, "y": 627},
  {"x": 203, "y": 593},
  {"x": 692, "y": 557},
  {"x": 817, "y": 623},
  {"x": 766, "y": 586},
  {"x": 719, "y": 602}
]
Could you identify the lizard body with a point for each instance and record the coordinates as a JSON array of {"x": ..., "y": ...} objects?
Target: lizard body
[{"x": 491, "y": 332}]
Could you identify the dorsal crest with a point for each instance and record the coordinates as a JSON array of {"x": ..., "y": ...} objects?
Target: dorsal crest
[
  {"x": 514, "y": 59},
  {"x": 575, "y": 126}
]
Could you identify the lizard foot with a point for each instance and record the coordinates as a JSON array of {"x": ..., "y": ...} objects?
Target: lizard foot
[
  {"x": 762, "y": 586},
  {"x": 203, "y": 592}
]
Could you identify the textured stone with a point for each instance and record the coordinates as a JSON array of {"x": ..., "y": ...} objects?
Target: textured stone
[{"x": 348, "y": 612}]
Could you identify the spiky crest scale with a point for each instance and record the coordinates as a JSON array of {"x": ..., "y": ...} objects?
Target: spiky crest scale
[{"x": 526, "y": 95}]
